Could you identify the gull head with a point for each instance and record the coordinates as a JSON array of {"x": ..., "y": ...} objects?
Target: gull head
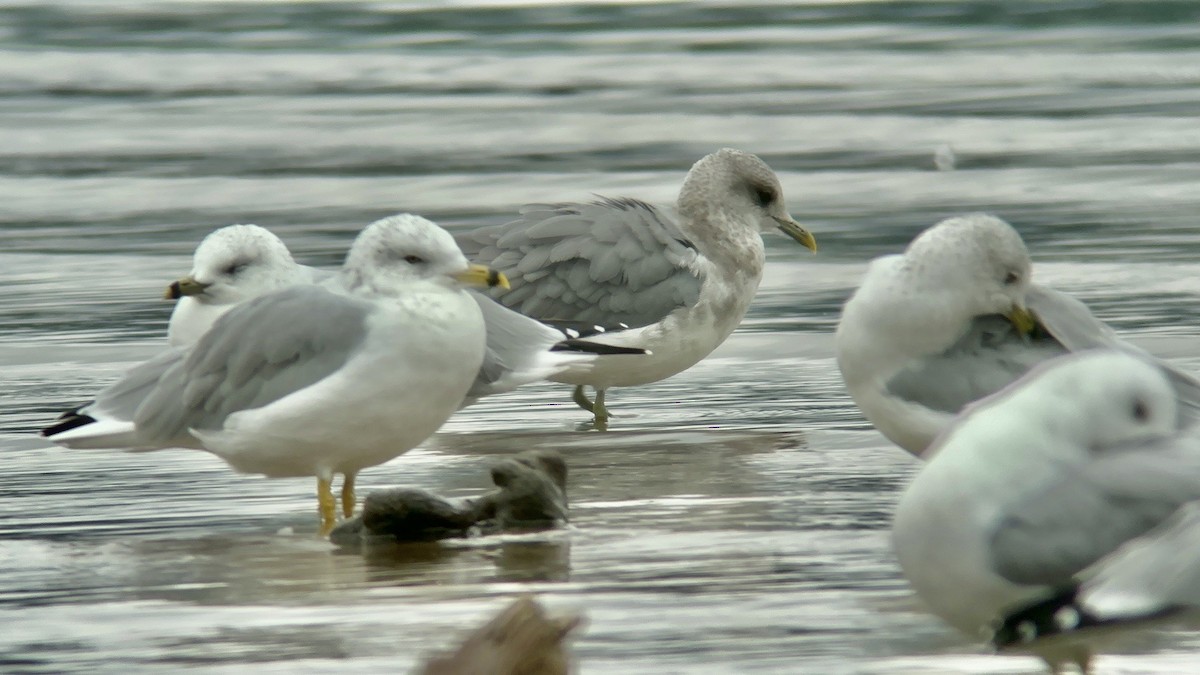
[
  {"x": 737, "y": 182},
  {"x": 1101, "y": 399},
  {"x": 406, "y": 248},
  {"x": 235, "y": 263},
  {"x": 981, "y": 260}
]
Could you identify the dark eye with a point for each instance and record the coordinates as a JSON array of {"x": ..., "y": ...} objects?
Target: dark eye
[
  {"x": 1011, "y": 278},
  {"x": 413, "y": 259},
  {"x": 764, "y": 195},
  {"x": 234, "y": 269},
  {"x": 1141, "y": 412}
]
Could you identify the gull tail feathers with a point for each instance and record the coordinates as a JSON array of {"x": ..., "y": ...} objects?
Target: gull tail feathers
[{"x": 80, "y": 431}]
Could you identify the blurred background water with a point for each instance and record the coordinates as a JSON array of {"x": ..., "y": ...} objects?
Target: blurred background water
[{"x": 736, "y": 517}]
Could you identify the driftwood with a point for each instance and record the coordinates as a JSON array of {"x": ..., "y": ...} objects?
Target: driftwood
[{"x": 521, "y": 640}]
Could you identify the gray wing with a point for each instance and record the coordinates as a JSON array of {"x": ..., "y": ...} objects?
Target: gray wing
[
  {"x": 1157, "y": 574},
  {"x": 255, "y": 354},
  {"x": 520, "y": 350},
  {"x": 989, "y": 357},
  {"x": 610, "y": 262},
  {"x": 515, "y": 344},
  {"x": 1072, "y": 323},
  {"x": 122, "y": 399},
  {"x": 1088, "y": 511}
]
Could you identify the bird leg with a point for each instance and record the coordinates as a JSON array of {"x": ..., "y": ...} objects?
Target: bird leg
[
  {"x": 326, "y": 506},
  {"x": 348, "y": 499},
  {"x": 597, "y": 408},
  {"x": 581, "y": 399}
]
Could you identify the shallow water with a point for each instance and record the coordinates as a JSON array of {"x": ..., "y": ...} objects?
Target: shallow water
[{"x": 735, "y": 519}]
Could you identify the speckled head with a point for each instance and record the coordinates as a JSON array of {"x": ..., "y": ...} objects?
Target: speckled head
[
  {"x": 234, "y": 263},
  {"x": 1121, "y": 398},
  {"x": 733, "y": 182},
  {"x": 405, "y": 248},
  {"x": 976, "y": 251}
]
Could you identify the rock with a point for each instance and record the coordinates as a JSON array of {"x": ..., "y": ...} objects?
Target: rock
[
  {"x": 531, "y": 495},
  {"x": 521, "y": 640},
  {"x": 405, "y": 514}
]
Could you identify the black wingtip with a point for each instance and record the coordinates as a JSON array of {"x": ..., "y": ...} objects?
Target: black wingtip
[
  {"x": 585, "y": 347},
  {"x": 1056, "y": 615},
  {"x": 71, "y": 419}
]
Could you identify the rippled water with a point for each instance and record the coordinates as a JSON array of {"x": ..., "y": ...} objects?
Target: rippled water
[{"x": 735, "y": 519}]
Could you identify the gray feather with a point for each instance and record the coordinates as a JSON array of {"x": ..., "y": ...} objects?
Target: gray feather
[
  {"x": 1074, "y": 325},
  {"x": 1159, "y": 573},
  {"x": 1061, "y": 527},
  {"x": 257, "y": 353},
  {"x": 122, "y": 399},
  {"x": 989, "y": 357},
  {"x": 607, "y": 262}
]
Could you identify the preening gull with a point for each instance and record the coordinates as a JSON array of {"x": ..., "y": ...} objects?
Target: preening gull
[
  {"x": 1065, "y": 502},
  {"x": 954, "y": 318},
  {"x": 625, "y": 273},
  {"x": 314, "y": 381},
  {"x": 231, "y": 265}
]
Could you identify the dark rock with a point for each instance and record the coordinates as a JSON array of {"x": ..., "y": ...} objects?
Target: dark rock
[
  {"x": 405, "y": 514},
  {"x": 531, "y": 495}
]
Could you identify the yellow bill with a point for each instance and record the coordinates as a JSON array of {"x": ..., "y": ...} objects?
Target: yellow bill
[
  {"x": 482, "y": 275},
  {"x": 183, "y": 287},
  {"x": 1023, "y": 319},
  {"x": 796, "y": 231}
]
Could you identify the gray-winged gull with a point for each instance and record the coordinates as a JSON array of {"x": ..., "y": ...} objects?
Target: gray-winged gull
[
  {"x": 626, "y": 273},
  {"x": 1064, "y": 503},
  {"x": 954, "y": 318},
  {"x": 236, "y": 263},
  {"x": 309, "y": 381}
]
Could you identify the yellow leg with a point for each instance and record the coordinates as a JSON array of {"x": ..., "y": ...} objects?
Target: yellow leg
[
  {"x": 597, "y": 408},
  {"x": 348, "y": 499},
  {"x": 326, "y": 506}
]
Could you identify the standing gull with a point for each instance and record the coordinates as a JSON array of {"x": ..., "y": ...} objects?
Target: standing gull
[
  {"x": 629, "y": 274},
  {"x": 231, "y": 265},
  {"x": 954, "y": 318},
  {"x": 1063, "y": 503},
  {"x": 236, "y": 263},
  {"x": 313, "y": 381}
]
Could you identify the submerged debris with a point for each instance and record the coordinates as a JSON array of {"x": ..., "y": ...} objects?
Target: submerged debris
[
  {"x": 521, "y": 640},
  {"x": 530, "y": 495}
]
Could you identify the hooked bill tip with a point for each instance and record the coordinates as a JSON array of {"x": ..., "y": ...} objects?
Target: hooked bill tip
[{"x": 497, "y": 278}]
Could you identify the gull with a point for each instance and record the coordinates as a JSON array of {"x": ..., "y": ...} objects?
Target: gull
[
  {"x": 629, "y": 274},
  {"x": 231, "y": 265},
  {"x": 1063, "y": 503},
  {"x": 318, "y": 381},
  {"x": 954, "y": 318},
  {"x": 236, "y": 263}
]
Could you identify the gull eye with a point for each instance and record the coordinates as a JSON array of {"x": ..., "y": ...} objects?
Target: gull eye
[
  {"x": 1141, "y": 412},
  {"x": 413, "y": 259},
  {"x": 1011, "y": 278},
  {"x": 234, "y": 269},
  {"x": 763, "y": 195}
]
